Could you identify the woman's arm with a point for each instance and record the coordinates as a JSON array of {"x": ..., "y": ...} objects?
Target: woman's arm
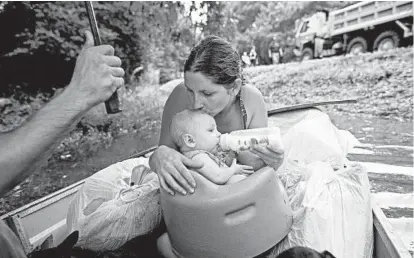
[
  {"x": 261, "y": 156},
  {"x": 176, "y": 102},
  {"x": 256, "y": 111}
]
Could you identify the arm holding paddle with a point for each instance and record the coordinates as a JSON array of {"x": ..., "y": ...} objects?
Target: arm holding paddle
[{"x": 97, "y": 75}]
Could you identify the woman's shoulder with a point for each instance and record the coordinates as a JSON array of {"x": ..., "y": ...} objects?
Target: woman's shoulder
[
  {"x": 255, "y": 107},
  {"x": 251, "y": 95},
  {"x": 178, "y": 91},
  {"x": 178, "y": 98}
]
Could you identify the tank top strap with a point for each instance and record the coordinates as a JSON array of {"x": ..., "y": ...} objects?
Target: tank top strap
[{"x": 242, "y": 108}]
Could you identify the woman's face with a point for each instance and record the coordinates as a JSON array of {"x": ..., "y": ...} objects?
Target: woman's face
[{"x": 205, "y": 95}]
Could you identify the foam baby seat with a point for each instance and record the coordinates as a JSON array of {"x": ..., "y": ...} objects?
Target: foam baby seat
[{"x": 243, "y": 219}]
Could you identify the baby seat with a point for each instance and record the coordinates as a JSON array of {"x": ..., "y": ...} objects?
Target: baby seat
[{"x": 239, "y": 220}]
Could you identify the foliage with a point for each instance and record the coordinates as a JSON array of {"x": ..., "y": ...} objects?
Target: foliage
[
  {"x": 51, "y": 36},
  {"x": 220, "y": 20},
  {"x": 156, "y": 36},
  {"x": 281, "y": 16}
]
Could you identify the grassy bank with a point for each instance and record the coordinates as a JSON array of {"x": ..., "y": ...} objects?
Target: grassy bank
[{"x": 383, "y": 83}]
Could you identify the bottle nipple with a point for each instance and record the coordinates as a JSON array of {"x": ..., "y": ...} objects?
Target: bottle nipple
[{"x": 223, "y": 142}]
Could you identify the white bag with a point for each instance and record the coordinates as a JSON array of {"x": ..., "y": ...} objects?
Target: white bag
[
  {"x": 332, "y": 209},
  {"x": 330, "y": 197},
  {"x": 315, "y": 138},
  {"x": 108, "y": 212}
]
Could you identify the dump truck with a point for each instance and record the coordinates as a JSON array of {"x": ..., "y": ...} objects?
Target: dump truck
[{"x": 358, "y": 28}]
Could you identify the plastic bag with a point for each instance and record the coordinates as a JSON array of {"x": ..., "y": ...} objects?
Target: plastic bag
[
  {"x": 332, "y": 209},
  {"x": 330, "y": 197},
  {"x": 108, "y": 212},
  {"x": 313, "y": 137}
]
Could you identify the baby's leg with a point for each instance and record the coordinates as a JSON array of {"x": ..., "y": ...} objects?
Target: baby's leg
[
  {"x": 164, "y": 246},
  {"x": 235, "y": 178}
]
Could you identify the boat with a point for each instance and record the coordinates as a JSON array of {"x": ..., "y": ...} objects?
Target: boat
[{"x": 44, "y": 220}]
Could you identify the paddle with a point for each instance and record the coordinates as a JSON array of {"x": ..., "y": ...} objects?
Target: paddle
[{"x": 112, "y": 104}]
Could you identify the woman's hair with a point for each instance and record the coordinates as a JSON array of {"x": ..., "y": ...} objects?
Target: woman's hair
[{"x": 215, "y": 58}]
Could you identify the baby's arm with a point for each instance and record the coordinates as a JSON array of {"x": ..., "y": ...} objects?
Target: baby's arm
[{"x": 212, "y": 171}]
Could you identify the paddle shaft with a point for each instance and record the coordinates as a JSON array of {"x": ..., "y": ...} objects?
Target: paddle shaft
[
  {"x": 112, "y": 105},
  {"x": 309, "y": 105}
]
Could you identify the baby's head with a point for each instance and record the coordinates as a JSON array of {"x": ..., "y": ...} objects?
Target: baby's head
[{"x": 194, "y": 130}]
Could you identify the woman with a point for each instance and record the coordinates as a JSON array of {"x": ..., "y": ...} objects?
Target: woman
[{"x": 212, "y": 83}]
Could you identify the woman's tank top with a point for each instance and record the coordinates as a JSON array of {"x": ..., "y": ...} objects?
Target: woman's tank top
[{"x": 242, "y": 108}]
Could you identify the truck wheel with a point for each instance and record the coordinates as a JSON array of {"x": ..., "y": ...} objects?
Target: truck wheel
[
  {"x": 307, "y": 54},
  {"x": 387, "y": 40},
  {"x": 357, "y": 45}
]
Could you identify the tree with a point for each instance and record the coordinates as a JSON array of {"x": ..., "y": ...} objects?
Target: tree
[
  {"x": 49, "y": 37},
  {"x": 220, "y": 21}
]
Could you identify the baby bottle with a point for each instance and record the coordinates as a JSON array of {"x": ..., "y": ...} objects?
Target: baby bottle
[{"x": 244, "y": 139}]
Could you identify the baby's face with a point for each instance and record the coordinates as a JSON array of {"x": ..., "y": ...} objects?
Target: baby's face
[{"x": 207, "y": 137}]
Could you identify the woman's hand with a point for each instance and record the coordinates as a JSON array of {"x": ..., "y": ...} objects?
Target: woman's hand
[
  {"x": 271, "y": 157},
  {"x": 171, "y": 167}
]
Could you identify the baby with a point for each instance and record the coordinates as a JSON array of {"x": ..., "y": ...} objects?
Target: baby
[{"x": 195, "y": 133}]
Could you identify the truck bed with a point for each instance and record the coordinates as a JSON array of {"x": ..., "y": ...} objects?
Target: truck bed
[{"x": 368, "y": 13}]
